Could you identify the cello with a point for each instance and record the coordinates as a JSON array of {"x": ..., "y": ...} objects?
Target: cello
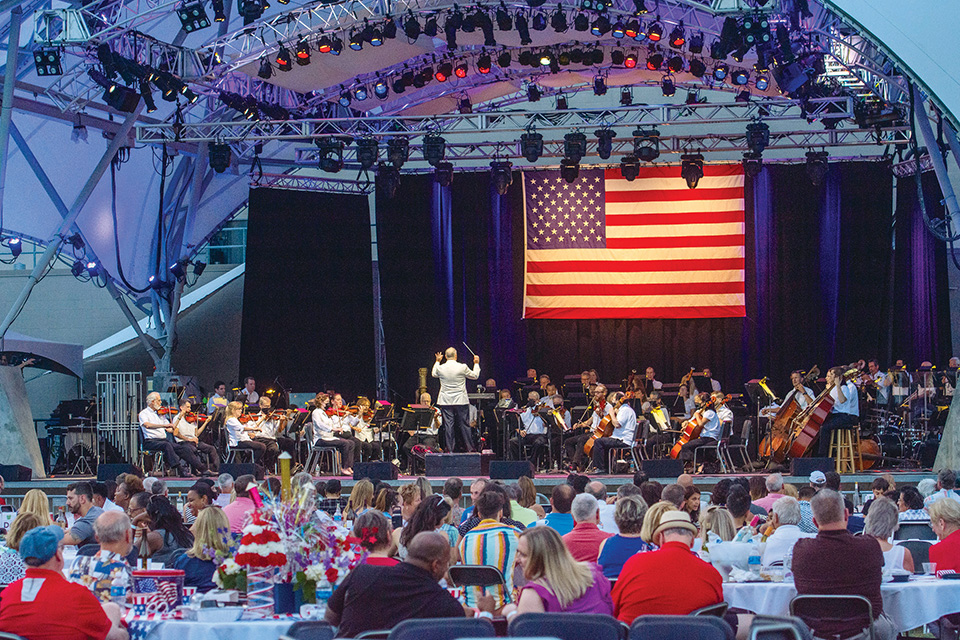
[
  {"x": 604, "y": 428},
  {"x": 808, "y": 423},
  {"x": 691, "y": 428},
  {"x": 775, "y": 445}
]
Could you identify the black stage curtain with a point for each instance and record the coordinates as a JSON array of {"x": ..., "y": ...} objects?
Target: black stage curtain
[{"x": 308, "y": 292}]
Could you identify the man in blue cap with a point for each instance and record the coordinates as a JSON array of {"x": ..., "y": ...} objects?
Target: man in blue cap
[{"x": 28, "y": 603}]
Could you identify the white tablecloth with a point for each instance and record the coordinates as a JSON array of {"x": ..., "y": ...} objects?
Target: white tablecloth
[
  {"x": 240, "y": 630},
  {"x": 907, "y": 604}
]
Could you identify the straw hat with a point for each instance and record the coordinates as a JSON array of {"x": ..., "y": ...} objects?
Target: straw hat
[{"x": 675, "y": 520}]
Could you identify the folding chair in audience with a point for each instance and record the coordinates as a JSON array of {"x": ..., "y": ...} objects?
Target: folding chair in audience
[
  {"x": 680, "y": 628},
  {"x": 920, "y": 550},
  {"x": 476, "y": 575},
  {"x": 373, "y": 634},
  {"x": 566, "y": 626},
  {"x": 779, "y": 628},
  {"x": 914, "y": 531},
  {"x": 309, "y": 630},
  {"x": 816, "y": 610},
  {"x": 717, "y": 610},
  {"x": 442, "y": 629}
]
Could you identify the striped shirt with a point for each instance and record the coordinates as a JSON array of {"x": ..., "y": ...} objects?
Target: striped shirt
[{"x": 493, "y": 544}]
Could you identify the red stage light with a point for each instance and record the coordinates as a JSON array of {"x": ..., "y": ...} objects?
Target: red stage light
[{"x": 630, "y": 61}]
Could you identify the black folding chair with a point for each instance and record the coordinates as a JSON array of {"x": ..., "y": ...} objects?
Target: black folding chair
[
  {"x": 310, "y": 630},
  {"x": 373, "y": 634},
  {"x": 680, "y": 628},
  {"x": 476, "y": 575},
  {"x": 779, "y": 628},
  {"x": 717, "y": 610},
  {"x": 566, "y": 626},
  {"x": 919, "y": 551},
  {"x": 821, "y": 612},
  {"x": 442, "y": 629},
  {"x": 914, "y": 531}
]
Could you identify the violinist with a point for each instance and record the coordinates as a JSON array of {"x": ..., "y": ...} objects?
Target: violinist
[
  {"x": 186, "y": 434},
  {"x": 268, "y": 427},
  {"x": 710, "y": 431},
  {"x": 324, "y": 433},
  {"x": 239, "y": 433},
  {"x": 656, "y": 424},
  {"x": 845, "y": 413},
  {"x": 601, "y": 409},
  {"x": 533, "y": 430},
  {"x": 155, "y": 429},
  {"x": 624, "y": 421},
  {"x": 363, "y": 430}
]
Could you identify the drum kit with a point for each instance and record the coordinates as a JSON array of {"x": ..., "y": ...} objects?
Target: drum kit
[{"x": 904, "y": 441}]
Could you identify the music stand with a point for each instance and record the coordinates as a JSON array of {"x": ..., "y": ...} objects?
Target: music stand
[{"x": 416, "y": 418}]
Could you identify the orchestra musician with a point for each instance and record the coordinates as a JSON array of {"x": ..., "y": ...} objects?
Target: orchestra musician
[
  {"x": 949, "y": 377},
  {"x": 533, "y": 430},
  {"x": 803, "y": 394},
  {"x": 624, "y": 421},
  {"x": 325, "y": 429},
  {"x": 248, "y": 395},
  {"x": 268, "y": 427},
  {"x": 453, "y": 401},
  {"x": 650, "y": 382},
  {"x": 845, "y": 412},
  {"x": 710, "y": 431},
  {"x": 219, "y": 398},
  {"x": 506, "y": 400},
  {"x": 574, "y": 444},
  {"x": 881, "y": 380},
  {"x": 901, "y": 380},
  {"x": 428, "y": 437},
  {"x": 363, "y": 431},
  {"x": 656, "y": 425},
  {"x": 239, "y": 434},
  {"x": 155, "y": 429},
  {"x": 186, "y": 434}
]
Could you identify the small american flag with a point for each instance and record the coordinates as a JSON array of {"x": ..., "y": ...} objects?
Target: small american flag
[{"x": 603, "y": 247}]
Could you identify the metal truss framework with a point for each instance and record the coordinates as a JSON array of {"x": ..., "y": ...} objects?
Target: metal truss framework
[{"x": 310, "y": 183}]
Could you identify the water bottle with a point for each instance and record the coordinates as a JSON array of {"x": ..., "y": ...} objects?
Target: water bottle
[
  {"x": 753, "y": 560},
  {"x": 338, "y": 516},
  {"x": 119, "y": 588},
  {"x": 788, "y": 564}
]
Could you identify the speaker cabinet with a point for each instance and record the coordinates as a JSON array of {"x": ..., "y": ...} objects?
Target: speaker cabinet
[
  {"x": 665, "y": 468},
  {"x": 111, "y": 471},
  {"x": 375, "y": 471},
  {"x": 511, "y": 469},
  {"x": 453, "y": 464},
  {"x": 243, "y": 468},
  {"x": 806, "y": 466}
]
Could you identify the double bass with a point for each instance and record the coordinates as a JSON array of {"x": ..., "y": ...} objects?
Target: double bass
[
  {"x": 807, "y": 424},
  {"x": 775, "y": 444},
  {"x": 604, "y": 428},
  {"x": 691, "y": 428}
]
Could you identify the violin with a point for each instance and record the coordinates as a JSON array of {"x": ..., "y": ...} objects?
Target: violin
[
  {"x": 244, "y": 418},
  {"x": 193, "y": 417},
  {"x": 167, "y": 411}
]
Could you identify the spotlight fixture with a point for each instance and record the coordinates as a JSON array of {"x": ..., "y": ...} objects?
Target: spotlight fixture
[
  {"x": 398, "y": 151},
  {"x": 502, "y": 173},
  {"x": 199, "y": 266},
  {"x": 388, "y": 178},
  {"x": 697, "y": 68},
  {"x": 574, "y": 146},
  {"x": 15, "y": 246},
  {"x": 444, "y": 71},
  {"x": 411, "y": 26},
  {"x": 762, "y": 82},
  {"x": 740, "y": 77},
  {"x": 443, "y": 173},
  {"x": 367, "y": 152},
  {"x": 47, "y": 61},
  {"x": 374, "y": 36},
  {"x": 562, "y": 103},
  {"x": 646, "y": 144},
  {"x": 178, "y": 269},
  {"x": 192, "y": 17},
  {"x": 336, "y": 45},
  {"x": 356, "y": 40},
  {"x": 539, "y": 22},
  {"x": 720, "y": 72},
  {"x": 546, "y": 59},
  {"x": 640, "y": 7},
  {"x": 817, "y": 166},
  {"x": 251, "y": 10},
  {"x": 630, "y": 61},
  {"x": 632, "y": 28},
  {"x": 668, "y": 86},
  {"x": 526, "y": 59},
  {"x": 389, "y": 28},
  {"x": 758, "y": 136},
  {"x": 617, "y": 57},
  {"x": 630, "y": 168},
  {"x": 569, "y": 170},
  {"x": 345, "y": 99},
  {"x": 675, "y": 64},
  {"x": 743, "y": 96},
  {"x": 655, "y": 31},
  {"x": 266, "y": 70},
  {"x": 460, "y": 70},
  {"x": 691, "y": 168},
  {"x": 533, "y": 93},
  {"x": 219, "y": 154},
  {"x": 677, "y": 36},
  {"x": 523, "y": 28},
  {"x": 92, "y": 268},
  {"x": 381, "y": 89},
  {"x": 484, "y": 64},
  {"x": 559, "y": 20},
  {"x": 504, "y": 19},
  {"x": 464, "y": 105},
  {"x": 531, "y": 146},
  {"x": 331, "y": 154},
  {"x": 655, "y": 61},
  {"x": 581, "y": 22},
  {"x": 434, "y": 147},
  {"x": 284, "y": 62},
  {"x": 600, "y": 26},
  {"x": 626, "y": 97},
  {"x": 147, "y": 96},
  {"x": 618, "y": 30},
  {"x": 503, "y": 60},
  {"x": 604, "y": 142},
  {"x": 360, "y": 93},
  {"x": 303, "y": 52},
  {"x": 77, "y": 268},
  {"x": 599, "y": 86},
  {"x": 219, "y": 15},
  {"x": 695, "y": 46},
  {"x": 430, "y": 28},
  {"x": 752, "y": 163}
]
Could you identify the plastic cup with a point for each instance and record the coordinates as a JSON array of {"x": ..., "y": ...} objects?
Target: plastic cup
[
  {"x": 188, "y": 593},
  {"x": 139, "y": 601},
  {"x": 930, "y": 568}
]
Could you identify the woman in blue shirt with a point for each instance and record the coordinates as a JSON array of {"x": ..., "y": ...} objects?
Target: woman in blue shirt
[
  {"x": 614, "y": 551},
  {"x": 198, "y": 563}
]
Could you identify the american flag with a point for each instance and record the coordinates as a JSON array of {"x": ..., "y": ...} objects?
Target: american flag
[{"x": 603, "y": 247}]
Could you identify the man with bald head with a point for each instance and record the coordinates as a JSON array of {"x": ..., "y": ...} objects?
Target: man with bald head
[
  {"x": 379, "y": 597},
  {"x": 97, "y": 572},
  {"x": 453, "y": 401}
]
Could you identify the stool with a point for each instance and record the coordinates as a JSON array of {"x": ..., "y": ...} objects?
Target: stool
[
  {"x": 845, "y": 449},
  {"x": 320, "y": 454}
]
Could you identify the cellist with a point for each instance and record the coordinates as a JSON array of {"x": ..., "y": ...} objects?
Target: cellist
[
  {"x": 601, "y": 408},
  {"x": 710, "y": 428},
  {"x": 624, "y": 421}
]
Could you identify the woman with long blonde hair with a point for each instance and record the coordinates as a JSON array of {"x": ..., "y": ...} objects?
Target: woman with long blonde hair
[
  {"x": 36, "y": 502},
  {"x": 555, "y": 581},
  {"x": 199, "y": 563},
  {"x": 717, "y": 521},
  {"x": 12, "y": 567},
  {"x": 651, "y": 520},
  {"x": 361, "y": 499}
]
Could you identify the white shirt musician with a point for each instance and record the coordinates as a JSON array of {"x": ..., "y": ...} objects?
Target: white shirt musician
[
  {"x": 803, "y": 394},
  {"x": 573, "y": 446},
  {"x": 533, "y": 429},
  {"x": 624, "y": 421},
  {"x": 453, "y": 401},
  {"x": 324, "y": 433},
  {"x": 656, "y": 425},
  {"x": 845, "y": 413},
  {"x": 154, "y": 428}
]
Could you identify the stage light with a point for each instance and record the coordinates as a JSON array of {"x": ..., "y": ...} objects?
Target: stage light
[
  {"x": 147, "y": 96},
  {"x": 331, "y": 154},
  {"x": 629, "y": 168},
  {"x": 303, "y": 52},
  {"x": 581, "y": 22},
  {"x": 122, "y": 98},
  {"x": 484, "y": 64},
  {"x": 640, "y": 6},
  {"x": 251, "y": 10},
  {"x": 192, "y": 17},
  {"x": 600, "y": 26},
  {"x": 675, "y": 64},
  {"x": 596, "y": 56},
  {"x": 199, "y": 267},
  {"x": 336, "y": 45},
  {"x": 398, "y": 151},
  {"x": 77, "y": 268},
  {"x": 460, "y": 70},
  {"x": 720, "y": 72},
  {"x": 15, "y": 246},
  {"x": 381, "y": 89},
  {"x": 632, "y": 28},
  {"x": 388, "y": 177},
  {"x": 444, "y": 71},
  {"x": 503, "y": 17},
  {"x": 817, "y": 166},
  {"x": 546, "y": 59},
  {"x": 756, "y": 30},
  {"x": 188, "y": 93},
  {"x": 411, "y": 26},
  {"x": 502, "y": 173},
  {"x": 668, "y": 86},
  {"x": 569, "y": 170},
  {"x": 219, "y": 154},
  {"x": 464, "y": 106},
  {"x": 618, "y": 30},
  {"x": 389, "y": 28},
  {"x": 559, "y": 20},
  {"x": 696, "y": 43},
  {"x": 523, "y": 28},
  {"x": 604, "y": 142},
  {"x": 434, "y": 147},
  {"x": 697, "y": 68},
  {"x": 443, "y": 173},
  {"x": 284, "y": 62},
  {"x": 360, "y": 93},
  {"x": 740, "y": 77},
  {"x": 367, "y": 152},
  {"x": 743, "y": 96},
  {"x": 599, "y": 86},
  {"x": 561, "y": 103},
  {"x": 655, "y": 61},
  {"x": 574, "y": 146},
  {"x": 266, "y": 70},
  {"x": 533, "y": 93},
  {"x": 399, "y": 86},
  {"x": 430, "y": 28},
  {"x": 626, "y": 97},
  {"x": 761, "y": 64},
  {"x": 539, "y": 21},
  {"x": 762, "y": 82},
  {"x": 752, "y": 163},
  {"x": 758, "y": 136},
  {"x": 345, "y": 98},
  {"x": 655, "y": 31},
  {"x": 47, "y": 61},
  {"x": 646, "y": 144},
  {"x": 219, "y": 15},
  {"x": 531, "y": 146},
  {"x": 617, "y": 57},
  {"x": 92, "y": 268},
  {"x": 691, "y": 168},
  {"x": 375, "y": 36},
  {"x": 503, "y": 60},
  {"x": 356, "y": 41},
  {"x": 178, "y": 269},
  {"x": 468, "y": 23},
  {"x": 630, "y": 61}
]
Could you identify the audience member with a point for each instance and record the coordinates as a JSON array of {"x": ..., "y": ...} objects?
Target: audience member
[
  {"x": 476, "y": 488},
  {"x": 376, "y": 536},
  {"x": 599, "y": 491},
  {"x": 881, "y": 523},
  {"x": 129, "y": 486},
  {"x": 744, "y": 483},
  {"x": 911, "y": 508},
  {"x": 408, "y": 590},
  {"x": 12, "y": 567},
  {"x": 426, "y": 489},
  {"x": 36, "y": 502},
  {"x": 927, "y": 487},
  {"x": 168, "y": 536},
  {"x": 674, "y": 494},
  {"x": 832, "y": 480},
  {"x": 652, "y": 518},
  {"x": 685, "y": 480},
  {"x": 199, "y": 497},
  {"x": 758, "y": 487},
  {"x": 818, "y": 480},
  {"x": 651, "y": 491},
  {"x": 429, "y": 516},
  {"x": 837, "y": 562},
  {"x": 716, "y": 525},
  {"x": 225, "y": 486},
  {"x": 528, "y": 496},
  {"x": 614, "y": 551},
  {"x": 585, "y": 539},
  {"x": 239, "y": 510},
  {"x": 738, "y": 504},
  {"x": 507, "y": 516},
  {"x": 879, "y": 486},
  {"x": 774, "y": 491},
  {"x": 521, "y": 514},
  {"x": 410, "y": 498},
  {"x": 559, "y": 519},
  {"x": 691, "y": 503},
  {"x": 556, "y": 582},
  {"x": 490, "y": 543},
  {"x": 578, "y": 481},
  {"x": 640, "y": 476},
  {"x": 331, "y": 497},
  {"x": 97, "y": 572},
  {"x": 137, "y": 510},
  {"x": 945, "y": 522},
  {"x": 80, "y": 504},
  {"x": 199, "y": 562},
  {"x": 453, "y": 488},
  {"x": 101, "y": 499},
  {"x": 669, "y": 581},
  {"x": 361, "y": 499},
  {"x": 28, "y": 603},
  {"x": 387, "y": 500},
  {"x": 785, "y": 524},
  {"x": 946, "y": 484},
  {"x": 804, "y": 495}
]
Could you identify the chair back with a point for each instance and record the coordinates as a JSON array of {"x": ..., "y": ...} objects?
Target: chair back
[
  {"x": 565, "y": 626},
  {"x": 914, "y": 531},
  {"x": 10, "y": 636},
  {"x": 779, "y": 628},
  {"x": 717, "y": 610},
  {"x": 826, "y": 615},
  {"x": 442, "y": 629},
  {"x": 90, "y": 549},
  {"x": 373, "y": 634},
  {"x": 310, "y": 630},
  {"x": 476, "y": 575},
  {"x": 680, "y": 628},
  {"x": 919, "y": 550}
]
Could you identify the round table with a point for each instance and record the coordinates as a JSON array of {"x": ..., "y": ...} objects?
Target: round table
[
  {"x": 908, "y": 604},
  {"x": 190, "y": 630}
]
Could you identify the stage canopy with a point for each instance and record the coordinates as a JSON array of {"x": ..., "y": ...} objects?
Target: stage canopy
[{"x": 59, "y": 357}]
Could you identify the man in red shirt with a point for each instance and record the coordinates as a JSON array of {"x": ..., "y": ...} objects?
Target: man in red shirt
[
  {"x": 671, "y": 580},
  {"x": 584, "y": 541},
  {"x": 30, "y": 606}
]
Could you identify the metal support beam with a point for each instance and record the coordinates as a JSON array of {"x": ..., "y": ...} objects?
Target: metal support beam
[
  {"x": 379, "y": 344},
  {"x": 61, "y": 207},
  {"x": 53, "y": 244},
  {"x": 6, "y": 109},
  {"x": 939, "y": 166}
]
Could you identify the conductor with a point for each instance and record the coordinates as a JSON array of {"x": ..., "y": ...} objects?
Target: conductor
[{"x": 453, "y": 402}]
